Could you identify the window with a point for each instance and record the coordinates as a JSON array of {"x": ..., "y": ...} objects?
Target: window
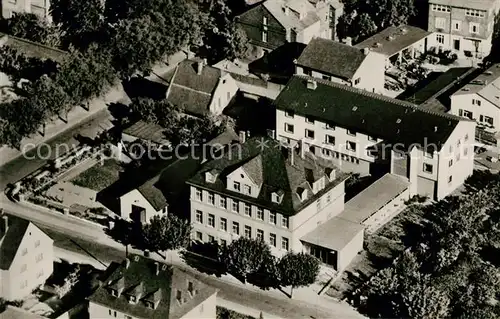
[
  {"x": 427, "y": 168},
  {"x": 199, "y": 216},
  {"x": 24, "y": 267},
  {"x": 440, "y": 38},
  {"x": 284, "y": 243},
  {"x": 260, "y": 234},
  {"x": 440, "y": 8},
  {"x": 327, "y": 152},
  {"x": 223, "y": 242},
  {"x": 351, "y": 132},
  {"x": 330, "y": 139},
  {"x": 284, "y": 222},
  {"x": 328, "y": 197},
  {"x": 25, "y": 251},
  {"x": 248, "y": 231},
  {"x": 465, "y": 151},
  {"x": 309, "y": 134},
  {"x": 466, "y": 114},
  {"x": 223, "y": 224},
  {"x": 450, "y": 179},
  {"x": 440, "y": 23},
  {"x": 264, "y": 21},
  {"x": 37, "y": 243},
  {"x": 429, "y": 155},
  {"x": 457, "y": 25},
  {"x": 318, "y": 204},
  {"x": 459, "y": 142},
  {"x": 211, "y": 238},
  {"x": 450, "y": 163},
  {"x": 39, "y": 257},
  {"x": 237, "y": 186},
  {"x": 260, "y": 213},
  {"x": 223, "y": 202},
  {"x": 248, "y": 210},
  {"x": 351, "y": 146},
  {"x": 272, "y": 239},
  {"x": 236, "y": 206},
  {"x": 264, "y": 35},
  {"x": 228, "y": 96},
  {"x": 356, "y": 82},
  {"x": 466, "y": 137},
  {"x": 199, "y": 236},
  {"x": 199, "y": 195},
  {"x": 236, "y": 228},
  {"x": 488, "y": 120},
  {"x": 309, "y": 120},
  {"x": 458, "y": 157},
  {"x": 288, "y": 128},
  {"x": 476, "y": 102},
  {"x": 289, "y": 114},
  {"x": 272, "y": 218},
  {"x": 474, "y": 27},
  {"x": 178, "y": 295},
  {"x": 475, "y": 13},
  {"x": 247, "y": 189},
  {"x": 211, "y": 220},
  {"x": 211, "y": 198},
  {"x": 308, "y": 72},
  {"x": 326, "y": 77},
  {"x": 329, "y": 126}
]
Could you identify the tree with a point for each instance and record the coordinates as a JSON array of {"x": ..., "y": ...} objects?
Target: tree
[
  {"x": 245, "y": 256},
  {"x": 31, "y": 27},
  {"x": 82, "y": 21},
  {"x": 167, "y": 233},
  {"x": 364, "y": 26},
  {"x": 424, "y": 301},
  {"x": 49, "y": 96},
  {"x": 297, "y": 270}
]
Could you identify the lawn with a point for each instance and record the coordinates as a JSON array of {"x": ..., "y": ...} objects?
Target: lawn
[{"x": 98, "y": 177}]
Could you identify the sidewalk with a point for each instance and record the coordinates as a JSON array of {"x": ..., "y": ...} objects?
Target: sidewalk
[{"x": 75, "y": 116}]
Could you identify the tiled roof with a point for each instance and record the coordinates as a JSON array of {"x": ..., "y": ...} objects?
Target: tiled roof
[
  {"x": 470, "y": 4},
  {"x": 486, "y": 85},
  {"x": 152, "y": 194},
  {"x": 393, "y": 39},
  {"x": 333, "y": 234},
  {"x": 18, "y": 313},
  {"x": 278, "y": 174},
  {"x": 328, "y": 56},
  {"x": 10, "y": 241},
  {"x": 146, "y": 131},
  {"x": 376, "y": 115},
  {"x": 254, "y": 169},
  {"x": 141, "y": 277},
  {"x": 291, "y": 20}
]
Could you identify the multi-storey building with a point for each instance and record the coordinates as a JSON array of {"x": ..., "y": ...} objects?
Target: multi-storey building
[
  {"x": 464, "y": 26},
  {"x": 26, "y": 257},
  {"x": 480, "y": 99},
  {"x": 342, "y": 63},
  {"x": 260, "y": 190},
  {"x": 38, "y": 7},
  {"x": 368, "y": 133},
  {"x": 273, "y": 23},
  {"x": 142, "y": 288}
]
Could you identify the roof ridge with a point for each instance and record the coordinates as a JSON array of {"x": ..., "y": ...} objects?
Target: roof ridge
[{"x": 382, "y": 98}]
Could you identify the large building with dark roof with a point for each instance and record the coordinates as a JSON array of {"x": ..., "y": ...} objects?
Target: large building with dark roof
[
  {"x": 365, "y": 132},
  {"x": 342, "y": 63},
  {"x": 143, "y": 288},
  {"x": 261, "y": 189},
  {"x": 26, "y": 257}
]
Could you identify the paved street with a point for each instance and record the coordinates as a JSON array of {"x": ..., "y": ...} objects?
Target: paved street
[
  {"x": 23, "y": 165},
  {"x": 84, "y": 238}
]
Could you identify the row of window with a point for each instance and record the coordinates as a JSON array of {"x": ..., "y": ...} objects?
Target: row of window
[
  {"x": 440, "y": 23},
  {"x": 482, "y": 118},
  {"x": 235, "y": 207},
  {"x": 441, "y": 8},
  {"x": 475, "y": 13},
  {"x": 429, "y": 168},
  {"x": 223, "y": 221},
  {"x": 248, "y": 233},
  {"x": 329, "y": 153},
  {"x": 38, "y": 259},
  {"x": 113, "y": 313}
]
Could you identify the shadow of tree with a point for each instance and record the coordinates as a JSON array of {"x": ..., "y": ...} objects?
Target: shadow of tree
[
  {"x": 204, "y": 257},
  {"x": 127, "y": 233},
  {"x": 142, "y": 87}
]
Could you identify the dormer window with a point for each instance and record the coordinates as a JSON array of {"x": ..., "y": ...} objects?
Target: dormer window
[
  {"x": 150, "y": 305},
  {"x": 178, "y": 296},
  {"x": 277, "y": 197},
  {"x": 114, "y": 293},
  {"x": 132, "y": 299},
  {"x": 284, "y": 222},
  {"x": 302, "y": 193},
  {"x": 330, "y": 173},
  {"x": 211, "y": 176},
  {"x": 191, "y": 288}
]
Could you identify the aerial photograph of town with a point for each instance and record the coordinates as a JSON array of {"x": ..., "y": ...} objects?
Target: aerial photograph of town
[{"x": 250, "y": 159}]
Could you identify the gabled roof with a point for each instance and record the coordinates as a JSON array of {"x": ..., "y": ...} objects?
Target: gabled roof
[
  {"x": 146, "y": 131},
  {"x": 10, "y": 240},
  {"x": 291, "y": 20},
  {"x": 393, "y": 39},
  {"x": 193, "y": 91},
  {"x": 254, "y": 169},
  {"x": 141, "y": 274},
  {"x": 278, "y": 174},
  {"x": 373, "y": 114},
  {"x": 469, "y": 4},
  {"x": 486, "y": 85},
  {"x": 334, "y": 58}
]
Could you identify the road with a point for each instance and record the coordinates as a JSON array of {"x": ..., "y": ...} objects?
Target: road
[
  {"x": 81, "y": 237},
  {"x": 34, "y": 159}
]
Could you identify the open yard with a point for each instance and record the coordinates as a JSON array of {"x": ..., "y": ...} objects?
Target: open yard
[{"x": 98, "y": 177}]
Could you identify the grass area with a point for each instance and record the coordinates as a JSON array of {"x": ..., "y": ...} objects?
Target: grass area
[
  {"x": 98, "y": 177},
  {"x": 223, "y": 313}
]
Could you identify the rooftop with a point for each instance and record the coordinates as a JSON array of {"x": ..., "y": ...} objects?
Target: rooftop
[
  {"x": 300, "y": 16},
  {"x": 10, "y": 239},
  {"x": 266, "y": 162},
  {"x": 393, "y": 40},
  {"x": 193, "y": 91},
  {"x": 151, "y": 283},
  {"x": 333, "y": 234},
  {"x": 18, "y": 313},
  {"x": 486, "y": 85},
  {"x": 373, "y": 198},
  {"x": 146, "y": 131},
  {"x": 328, "y": 56},
  {"x": 373, "y": 114},
  {"x": 469, "y": 4}
]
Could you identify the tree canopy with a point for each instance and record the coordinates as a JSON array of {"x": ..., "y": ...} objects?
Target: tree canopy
[
  {"x": 245, "y": 256},
  {"x": 167, "y": 232},
  {"x": 297, "y": 270}
]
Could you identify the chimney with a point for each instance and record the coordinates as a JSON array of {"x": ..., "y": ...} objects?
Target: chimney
[
  {"x": 365, "y": 51},
  {"x": 127, "y": 263},
  {"x": 199, "y": 66},
  {"x": 348, "y": 41},
  {"x": 435, "y": 128},
  {"x": 157, "y": 268},
  {"x": 243, "y": 137},
  {"x": 312, "y": 85},
  {"x": 5, "y": 225}
]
